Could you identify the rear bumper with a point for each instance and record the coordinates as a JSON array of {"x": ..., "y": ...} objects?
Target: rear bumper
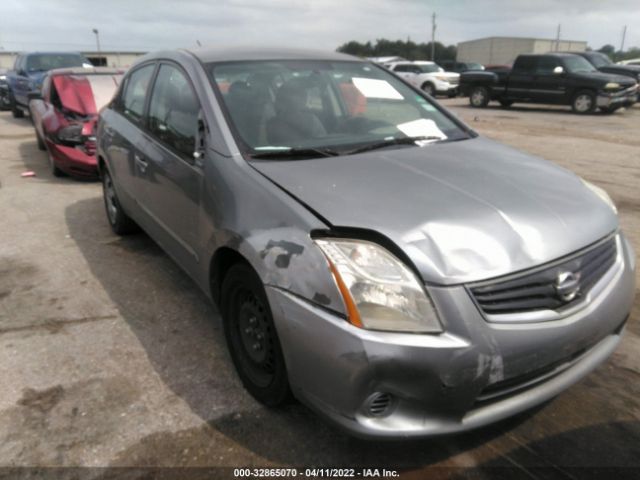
[
  {"x": 73, "y": 161},
  {"x": 472, "y": 374}
]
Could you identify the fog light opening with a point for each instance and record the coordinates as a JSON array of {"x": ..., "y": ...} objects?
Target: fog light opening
[{"x": 379, "y": 404}]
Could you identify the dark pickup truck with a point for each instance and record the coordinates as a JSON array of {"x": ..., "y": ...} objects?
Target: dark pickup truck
[{"x": 554, "y": 78}]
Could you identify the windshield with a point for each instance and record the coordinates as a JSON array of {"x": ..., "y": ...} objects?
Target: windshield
[
  {"x": 282, "y": 105},
  {"x": 576, "y": 64},
  {"x": 474, "y": 66},
  {"x": 429, "y": 67},
  {"x": 600, "y": 60},
  {"x": 49, "y": 61}
]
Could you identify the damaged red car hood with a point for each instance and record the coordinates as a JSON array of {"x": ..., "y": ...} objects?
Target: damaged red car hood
[{"x": 85, "y": 94}]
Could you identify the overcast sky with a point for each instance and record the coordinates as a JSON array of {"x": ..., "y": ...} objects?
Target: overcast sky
[{"x": 325, "y": 24}]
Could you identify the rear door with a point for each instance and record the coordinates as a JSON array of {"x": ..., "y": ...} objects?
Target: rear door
[
  {"x": 124, "y": 134},
  {"x": 172, "y": 178},
  {"x": 521, "y": 79},
  {"x": 549, "y": 87},
  {"x": 406, "y": 71}
]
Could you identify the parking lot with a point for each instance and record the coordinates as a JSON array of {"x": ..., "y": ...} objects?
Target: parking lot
[{"x": 110, "y": 356}]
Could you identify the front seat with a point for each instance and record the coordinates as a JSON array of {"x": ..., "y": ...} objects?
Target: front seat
[{"x": 293, "y": 120}]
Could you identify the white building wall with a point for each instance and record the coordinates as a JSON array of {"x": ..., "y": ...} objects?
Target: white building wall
[{"x": 504, "y": 50}]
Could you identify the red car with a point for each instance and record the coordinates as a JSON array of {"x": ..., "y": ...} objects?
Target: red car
[{"x": 64, "y": 116}]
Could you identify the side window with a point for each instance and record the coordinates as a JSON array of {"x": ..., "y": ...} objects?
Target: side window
[
  {"x": 135, "y": 93},
  {"x": 525, "y": 64},
  {"x": 173, "y": 111},
  {"x": 546, "y": 65},
  {"x": 400, "y": 68}
]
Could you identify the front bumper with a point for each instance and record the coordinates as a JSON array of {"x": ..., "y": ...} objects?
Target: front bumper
[
  {"x": 73, "y": 161},
  {"x": 625, "y": 98},
  {"x": 472, "y": 374},
  {"x": 447, "y": 88}
]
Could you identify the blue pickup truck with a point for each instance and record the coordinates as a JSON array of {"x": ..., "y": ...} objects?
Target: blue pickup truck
[{"x": 29, "y": 71}]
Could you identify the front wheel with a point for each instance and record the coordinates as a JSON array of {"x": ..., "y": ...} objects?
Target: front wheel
[
  {"x": 16, "y": 111},
  {"x": 479, "y": 97},
  {"x": 429, "y": 89},
  {"x": 584, "y": 102},
  {"x": 41, "y": 144},
  {"x": 506, "y": 103},
  {"x": 252, "y": 338},
  {"x": 120, "y": 222}
]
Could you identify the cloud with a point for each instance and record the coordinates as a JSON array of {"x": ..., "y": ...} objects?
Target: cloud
[{"x": 324, "y": 24}]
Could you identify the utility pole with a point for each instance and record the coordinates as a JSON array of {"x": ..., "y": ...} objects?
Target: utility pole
[
  {"x": 97, "y": 33},
  {"x": 433, "y": 37},
  {"x": 558, "y": 37},
  {"x": 624, "y": 34}
]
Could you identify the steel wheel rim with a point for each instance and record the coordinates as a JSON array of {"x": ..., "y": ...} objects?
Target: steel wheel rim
[
  {"x": 254, "y": 338},
  {"x": 583, "y": 103},
  {"x": 110, "y": 198},
  {"x": 428, "y": 89},
  {"x": 477, "y": 97}
]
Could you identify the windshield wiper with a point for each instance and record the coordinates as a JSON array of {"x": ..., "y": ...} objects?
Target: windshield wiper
[
  {"x": 295, "y": 153},
  {"x": 393, "y": 141}
]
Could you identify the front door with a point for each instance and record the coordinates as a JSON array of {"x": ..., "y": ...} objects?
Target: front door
[
  {"x": 550, "y": 84},
  {"x": 172, "y": 179}
]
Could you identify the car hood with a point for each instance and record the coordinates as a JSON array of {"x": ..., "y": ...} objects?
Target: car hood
[
  {"x": 608, "y": 77},
  {"x": 85, "y": 94},
  {"x": 621, "y": 69},
  {"x": 462, "y": 211}
]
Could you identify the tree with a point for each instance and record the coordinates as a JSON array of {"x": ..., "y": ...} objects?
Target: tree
[
  {"x": 406, "y": 49},
  {"x": 608, "y": 49}
]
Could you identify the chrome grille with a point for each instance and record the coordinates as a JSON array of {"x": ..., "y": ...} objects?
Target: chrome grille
[{"x": 543, "y": 289}]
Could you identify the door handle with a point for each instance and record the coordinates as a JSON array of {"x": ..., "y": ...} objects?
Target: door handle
[{"x": 140, "y": 162}]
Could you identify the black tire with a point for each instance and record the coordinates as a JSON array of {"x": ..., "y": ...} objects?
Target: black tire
[
  {"x": 120, "y": 222},
  {"x": 506, "y": 103},
  {"x": 252, "y": 338},
  {"x": 453, "y": 94},
  {"x": 41, "y": 144},
  {"x": 479, "y": 97},
  {"x": 55, "y": 171},
  {"x": 584, "y": 102},
  {"x": 16, "y": 111},
  {"x": 429, "y": 89},
  {"x": 610, "y": 110}
]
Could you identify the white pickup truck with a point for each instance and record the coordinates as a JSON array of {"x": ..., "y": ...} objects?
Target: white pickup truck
[{"x": 427, "y": 76}]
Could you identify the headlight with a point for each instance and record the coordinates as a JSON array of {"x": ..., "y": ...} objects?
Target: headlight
[
  {"x": 601, "y": 193},
  {"x": 379, "y": 291},
  {"x": 4, "y": 77},
  {"x": 611, "y": 86},
  {"x": 442, "y": 79},
  {"x": 71, "y": 134}
]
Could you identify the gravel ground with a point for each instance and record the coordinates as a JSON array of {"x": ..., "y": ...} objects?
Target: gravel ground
[{"x": 109, "y": 355}]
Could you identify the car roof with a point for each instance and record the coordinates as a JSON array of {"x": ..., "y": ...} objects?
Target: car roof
[
  {"x": 219, "y": 54},
  {"x": 552, "y": 54},
  {"x": 86, "y": 71},
  {"x": 51, "y": 53}
]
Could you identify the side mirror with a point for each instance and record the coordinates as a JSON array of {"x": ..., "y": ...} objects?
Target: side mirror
[
  {"x": 200, "y": 147},
  {"x": 34, "y": 96},
  {"x": 558, "y": 70},
  {"x": 21, "y": 73}
]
